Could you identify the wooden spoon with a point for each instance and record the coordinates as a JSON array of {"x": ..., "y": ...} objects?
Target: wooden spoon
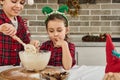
[{"x": 28, "y": 47}]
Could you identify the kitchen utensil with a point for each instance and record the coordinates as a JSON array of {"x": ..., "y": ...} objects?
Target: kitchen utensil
[{"x": 28, "y": 47}]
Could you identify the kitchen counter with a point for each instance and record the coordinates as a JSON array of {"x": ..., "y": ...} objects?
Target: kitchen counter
[
  {"x": 77, "y": 40},
  {"x": 94, "y": 44}
]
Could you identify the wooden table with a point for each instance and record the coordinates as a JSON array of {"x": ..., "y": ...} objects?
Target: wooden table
[{"x": 20, "y": 73}]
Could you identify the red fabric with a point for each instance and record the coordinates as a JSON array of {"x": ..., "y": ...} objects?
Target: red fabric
[
  {"x": 9, "y": 48},
  {"x": 113, "y": 62},
  {"x": 56, "y": 53}
]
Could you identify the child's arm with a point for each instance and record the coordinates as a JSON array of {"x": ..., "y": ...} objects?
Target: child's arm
[{"x": 66, "y": 56}]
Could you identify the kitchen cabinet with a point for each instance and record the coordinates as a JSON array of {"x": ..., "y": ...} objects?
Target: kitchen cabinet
[{"x": 92, "y": 55}]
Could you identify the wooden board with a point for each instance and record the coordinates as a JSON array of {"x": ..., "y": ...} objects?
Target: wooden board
[{"x": 20, "y": 73}]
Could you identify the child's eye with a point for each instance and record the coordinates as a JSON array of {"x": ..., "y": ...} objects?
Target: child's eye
[
  {"x": 59, "y": 30},
  {"x": 14, "y": 1},
  {"x": 51, "y": 31},
  {"x": 22, "y": 2}
]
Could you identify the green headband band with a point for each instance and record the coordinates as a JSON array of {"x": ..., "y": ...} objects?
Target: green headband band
[{"x": 61, "y": 10}]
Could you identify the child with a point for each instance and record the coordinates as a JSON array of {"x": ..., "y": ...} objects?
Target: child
[
  {"x": 62, "y": 51},
  {"x": 9, "y": 48}
]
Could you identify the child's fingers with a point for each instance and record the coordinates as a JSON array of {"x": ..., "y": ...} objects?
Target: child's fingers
[
  {"x": 36, "y": 43},
  {"x": 56, "y": 38},
  {"x": 8, "y": 29},
  {"x": 11, "y": 32}
]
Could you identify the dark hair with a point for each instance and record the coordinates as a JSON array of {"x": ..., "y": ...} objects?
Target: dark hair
[{"x": 60, "y": 17}]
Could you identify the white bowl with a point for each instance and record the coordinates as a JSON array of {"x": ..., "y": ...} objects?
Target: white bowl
[{"x": 35, "y": 61}]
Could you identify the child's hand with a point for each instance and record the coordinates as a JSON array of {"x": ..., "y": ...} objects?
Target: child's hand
[
  {"x": 59, "y": 42},
  {"x": 8, "y": 29},
  {"x": 36, "y": 43}
]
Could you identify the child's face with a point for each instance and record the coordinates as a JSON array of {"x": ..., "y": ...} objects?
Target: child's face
[
  {"x": 12, "y": 8},
  {"x": 56, "y": 29}
]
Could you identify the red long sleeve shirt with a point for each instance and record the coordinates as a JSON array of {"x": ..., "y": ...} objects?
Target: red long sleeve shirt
[
  {"x": 56, "y": 53},
  {"x": 9, "y": 48}
]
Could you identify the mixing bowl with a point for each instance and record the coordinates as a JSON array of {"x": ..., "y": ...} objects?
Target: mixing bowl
[{"x": 35, "y": 61}]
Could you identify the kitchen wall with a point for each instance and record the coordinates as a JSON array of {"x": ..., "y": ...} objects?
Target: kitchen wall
[{"x": 102, "y": 17}]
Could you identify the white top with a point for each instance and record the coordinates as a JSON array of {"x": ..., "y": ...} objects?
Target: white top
[{"x": 15, "y": 22}]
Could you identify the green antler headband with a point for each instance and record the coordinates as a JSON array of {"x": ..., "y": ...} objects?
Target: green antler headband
[{"x": 61, "y": 10}]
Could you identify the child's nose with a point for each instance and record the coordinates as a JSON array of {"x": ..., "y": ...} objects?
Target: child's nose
[
  {"x": 56, "y": 34},
  {"x": 18, "y": 4}
]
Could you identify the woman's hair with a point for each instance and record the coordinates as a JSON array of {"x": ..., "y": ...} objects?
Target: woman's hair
[{"x": 60, "y": 17}]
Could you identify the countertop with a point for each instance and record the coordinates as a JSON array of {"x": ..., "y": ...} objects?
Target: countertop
[
  {"x": 94, "y": 44},
  {"x": 77, "y": 40}
]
